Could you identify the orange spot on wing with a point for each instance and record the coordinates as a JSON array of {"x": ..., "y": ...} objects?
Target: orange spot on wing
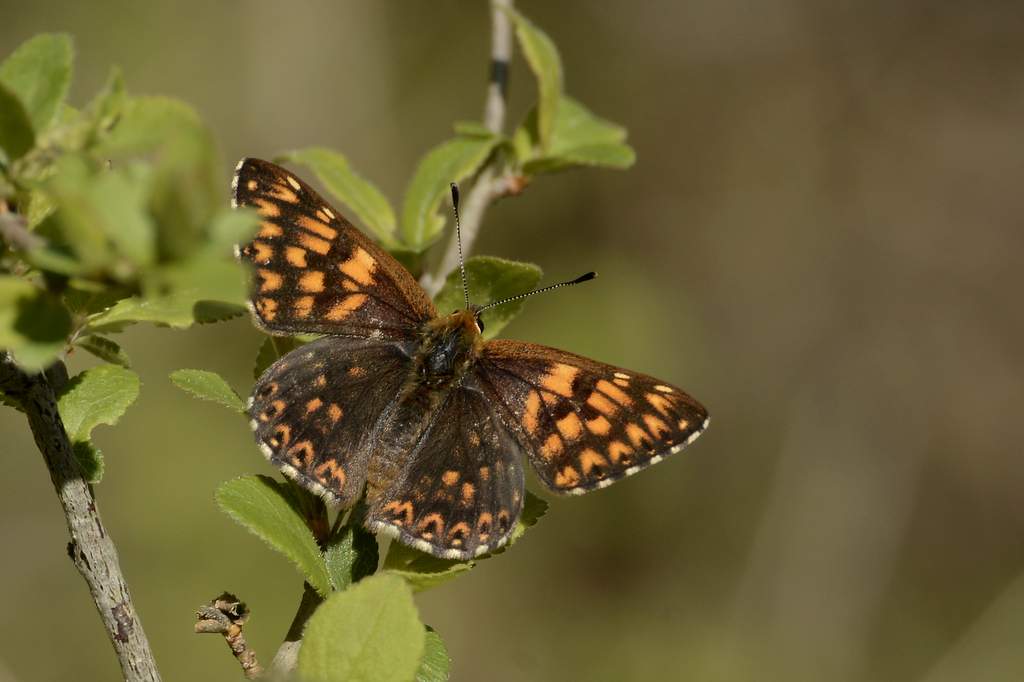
[
  {"x": 601, "y": 404},
  {"x": 468, "y": 491},
  {"x": 458, "y": 533},
  {"x": 317, "y": 227},
  {"x": 267, "y": 209},
  {"x": 400, "y": 508},
  {"x": 331, "y": 469},
  {"x": 269, "y": 229},
  {"x": 262, "y": 252},
  {"x": 485, "y": 473},
  {"x": 567, "y": 478},
  {"x": 599, "y": 425},
  {"x": 655, "y": 425},
  {"x": 616, "y": 449},
  {"x": 660, "y": 402},
  {"x": 683, "y": 424},
  {"x": 295, "y": 256},
  {"x": 345, "y": 308},
  {"x": 302, "y": 453},
  {"x": 284, "y": 194},
  {"x": 483, "y": 525},
  {"x": 314, "y": 405},
  {"x": 614, "y": 392},
  {"x": 552, "y": 446},
  {"x": 283, "y": 433},
  {"x": 636, "y": 434},
  {"x": 320, "y": 381},
  {"x": 359, "y": 266},
  {"x": 589, "y": 459},
  {"x": 435, "y": 520},
  {"x": 531, "y": 412},
  {"x": 267, "y": 308},
  {"x": 312, "y": 281},
  {"x": 314, "y": 243},
  {"x": 570, "y": 426},
  {"x": 559, "y": 379},
  {"x": 450, "y": 477},
  {"x": 303, "y": 306},
  {"x": 334, "y": 412},
  {"x": 272, "y": 281}
]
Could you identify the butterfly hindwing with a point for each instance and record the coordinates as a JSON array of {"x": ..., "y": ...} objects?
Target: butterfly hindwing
[
  {"x": 316, "y": 273},
  {"x": 314, "y": 409},
  {"x": 585, "y": 424},
  {"x": 461, "y": 485}
]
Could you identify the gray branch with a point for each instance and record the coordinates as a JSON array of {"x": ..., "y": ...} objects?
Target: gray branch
[
  {"x": 91, "y": 548},
  {"x": 491, "y": 184},
  {"x": 287, "y": 655},
  {"x": 225, "y": 616}
]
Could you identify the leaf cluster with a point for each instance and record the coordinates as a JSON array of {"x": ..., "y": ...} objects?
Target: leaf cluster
[
  {"x": 111, "y": 214},
  {"x": 115, "y": 213}
]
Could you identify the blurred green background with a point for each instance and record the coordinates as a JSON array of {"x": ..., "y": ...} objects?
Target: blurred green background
[{"x": 821, "y": 240}]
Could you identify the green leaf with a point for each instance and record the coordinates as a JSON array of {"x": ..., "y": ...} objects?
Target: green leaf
[
  {"x": 100, "y": 395},
  {"x": 580, "y": 138},
  {"x": 472, "y": 129},
  {"x": 424, "y": 571},
  {"x": 39, "y": 73},
  {"x": 490, "y": 279},
  {"x": 149, "y": 123},
  {"x": 272, "y": 348},
  {"x": 99, "y": 208},
  {"x": 265, "y": 507},
  {"x": 370, "y": 632},
  {"x": 542, "y": 56},
  {"x": 618, "y": 156},
  {"x": 16, "y": 136},
  {"x": 179, "y": 310},
  {"x": 34, "y": 325},
  {"x": 106, "y": 107},
  {"x": 436, "y": 664},
  {"x": 89, "y": 459},
  {"x": 105, "y": 349},
  {"x": 230, "y": 227},
  {"x": 96, "y": 396},
  {"x": 533, "y": 509},
  {"x": 367, "y": 202},
  {"x": 451, "y": 161},
  {"x": 207, "y": 386},
  {"x": 351, "y": 555}
]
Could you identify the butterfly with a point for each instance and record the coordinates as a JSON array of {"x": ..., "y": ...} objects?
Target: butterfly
[{"x": 415, "y": 409}]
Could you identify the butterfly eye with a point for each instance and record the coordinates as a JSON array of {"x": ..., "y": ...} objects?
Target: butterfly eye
[{"x": 480, "y": 324}]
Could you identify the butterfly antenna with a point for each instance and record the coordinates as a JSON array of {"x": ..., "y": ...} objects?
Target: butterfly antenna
[
  {"x": 458, "y": 238},
  {"x": 579, "y": 280}
]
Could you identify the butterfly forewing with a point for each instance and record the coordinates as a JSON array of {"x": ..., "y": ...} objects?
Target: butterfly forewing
[
  {"x": 585, "y": 424},
  {"x": 461, "y": 489},
  {"x": 316, "y": 273},
  {"x": 314, "y": 410}
]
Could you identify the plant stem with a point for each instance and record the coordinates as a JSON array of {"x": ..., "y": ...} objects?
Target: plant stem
[
  {"x": 91, "y": 549},
  {"x": 225, "y": 616},
  {"x": 288, "y": 653},
  {"x": 491, "y": 183}
]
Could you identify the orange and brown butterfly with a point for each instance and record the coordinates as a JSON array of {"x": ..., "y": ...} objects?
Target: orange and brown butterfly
[{"x": 414, "y": 409}]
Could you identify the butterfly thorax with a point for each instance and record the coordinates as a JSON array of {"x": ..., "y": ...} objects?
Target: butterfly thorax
[{"x": 448, "y": 346}]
